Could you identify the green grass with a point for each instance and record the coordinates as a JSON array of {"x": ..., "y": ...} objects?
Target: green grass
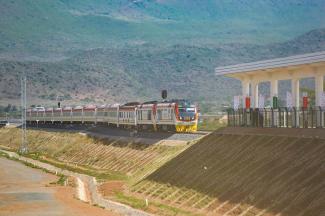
[
  {"x": 99, "y": 175},
  {"x": 210, "y": 125},
  {"x": 61, "y": 180},
  {"x": 158, "y": 208},
  {"x": 132, "y": 201}
]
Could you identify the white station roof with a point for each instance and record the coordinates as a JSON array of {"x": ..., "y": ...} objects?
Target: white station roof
[{"x": 296, "y": 60}]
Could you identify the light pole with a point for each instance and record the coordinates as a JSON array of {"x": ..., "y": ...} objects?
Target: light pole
[{"x": 23, "y": 147}]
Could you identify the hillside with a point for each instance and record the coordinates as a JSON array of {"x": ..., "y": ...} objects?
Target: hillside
[
  {"x": 121, "y": 50},
  {"x": 140, "y": 72},
  {"x": 45, "y": 29}
]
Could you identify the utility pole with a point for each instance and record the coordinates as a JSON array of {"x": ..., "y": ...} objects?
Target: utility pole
[{"x": 23, "y": 147}]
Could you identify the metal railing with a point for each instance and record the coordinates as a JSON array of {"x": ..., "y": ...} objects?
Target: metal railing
[{"x": 283, "y": 117}]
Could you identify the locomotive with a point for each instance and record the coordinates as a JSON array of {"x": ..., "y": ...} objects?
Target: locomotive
[{"x": 173, "y": 115}]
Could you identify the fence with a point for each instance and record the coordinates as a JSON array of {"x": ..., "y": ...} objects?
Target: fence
[{"x": 282, "y": 117}]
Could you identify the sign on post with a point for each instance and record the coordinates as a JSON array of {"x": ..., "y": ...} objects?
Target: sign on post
[
  {"x": 247, "y": 102},
  {"x": 275, "y": 102}
]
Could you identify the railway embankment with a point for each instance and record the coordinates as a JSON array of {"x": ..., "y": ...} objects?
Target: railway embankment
[
  {"x": 233, "y": 171},
  {"x": 244, "y": 172},
  {"x": 108, "y": 159}
]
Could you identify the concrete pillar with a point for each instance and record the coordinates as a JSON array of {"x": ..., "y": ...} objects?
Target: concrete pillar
[
  {"x": 274, "y": 93},
  {"x": 245, "y": 90},
  {"x": 255, "y": 94},
  {"x": 319, "y": 88},
  {"x": 295, "y": 90},
  {"x": 274, "y": 89}
]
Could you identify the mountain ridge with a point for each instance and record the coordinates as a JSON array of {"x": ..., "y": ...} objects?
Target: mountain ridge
[
  {"x": 139, "y": 72},
  {"x": 124, "y": 50},
  {"x": 49, "y": 29}
]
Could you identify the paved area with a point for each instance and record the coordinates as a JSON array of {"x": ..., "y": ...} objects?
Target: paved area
[{"x": 25, "y": 191}]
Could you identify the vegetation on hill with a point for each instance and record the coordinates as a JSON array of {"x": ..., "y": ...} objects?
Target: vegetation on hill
[
  {"x": 140, "y": 72},
  {"x": 115, "y": 51},
  {"x": 45, "y": 29}
]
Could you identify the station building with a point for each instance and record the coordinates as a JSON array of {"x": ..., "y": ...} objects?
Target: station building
[{"x": 298, "y": 112}]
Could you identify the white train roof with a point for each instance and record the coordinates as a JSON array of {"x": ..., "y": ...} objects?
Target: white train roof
[
  {"x": 78, "y": 107},
  {"x": 67, "y": 108}
]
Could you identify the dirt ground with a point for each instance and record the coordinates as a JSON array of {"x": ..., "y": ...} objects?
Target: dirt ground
[
  {"x": 25, "y": 191},
  {"x": 111, "y": 187}
]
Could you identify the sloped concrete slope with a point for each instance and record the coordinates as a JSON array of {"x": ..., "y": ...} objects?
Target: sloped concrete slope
[{"x": 237, "y": 174}]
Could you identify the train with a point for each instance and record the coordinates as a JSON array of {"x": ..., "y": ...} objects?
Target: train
[{"x": 173, "y": 115}]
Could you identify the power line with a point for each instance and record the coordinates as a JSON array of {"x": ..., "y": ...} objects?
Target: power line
[{"x": 23, "y": 147}]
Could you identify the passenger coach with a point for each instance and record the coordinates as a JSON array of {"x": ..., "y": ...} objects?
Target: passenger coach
[{"x": 175, "y": 115}]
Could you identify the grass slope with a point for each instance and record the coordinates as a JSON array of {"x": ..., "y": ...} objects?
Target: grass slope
[
  {"x": 243, "y": 175},
  {"x": 220, "y": 174},
  {"x": 116, "y": 159},
  {"x": 110, "y": 161}
]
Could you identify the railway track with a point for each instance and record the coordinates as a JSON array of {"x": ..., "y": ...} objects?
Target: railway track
[{"x": 100, "y": 130}]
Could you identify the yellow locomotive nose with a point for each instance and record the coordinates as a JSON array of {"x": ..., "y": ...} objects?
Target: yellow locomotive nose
[{"x": 186, "y": 128}]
